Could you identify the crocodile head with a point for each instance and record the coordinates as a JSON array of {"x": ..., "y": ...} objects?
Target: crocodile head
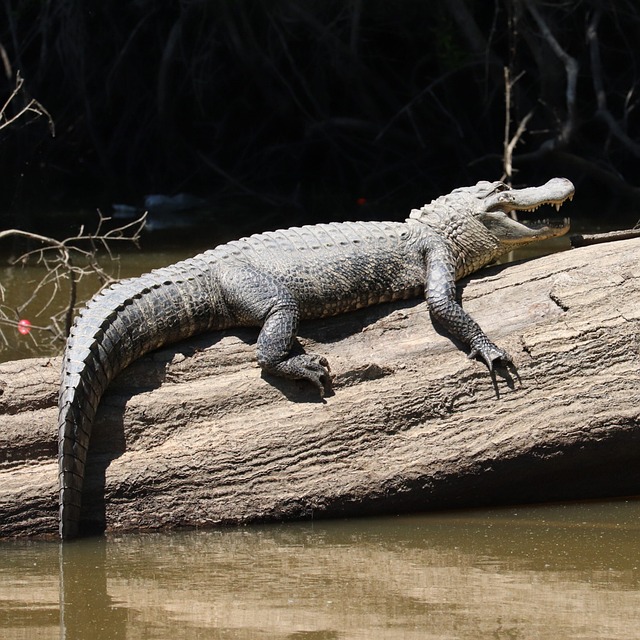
[
  {"x": 480, "y": 221},
  {"x": 497, "y": 201}
]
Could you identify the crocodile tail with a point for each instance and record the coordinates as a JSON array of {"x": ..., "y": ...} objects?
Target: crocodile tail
[{"x": 117, "y": 326}]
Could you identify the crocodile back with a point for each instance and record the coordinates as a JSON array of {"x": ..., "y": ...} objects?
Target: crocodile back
[{"x": 337, "y": 267}]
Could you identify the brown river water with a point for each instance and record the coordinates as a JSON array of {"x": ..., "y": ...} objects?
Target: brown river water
[
  {"x": 526, "y": 572},
  {"x": 538, "y": 572}
]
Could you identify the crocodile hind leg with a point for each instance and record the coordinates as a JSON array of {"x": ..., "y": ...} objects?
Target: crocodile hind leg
[{"x": 256, "y": 298}]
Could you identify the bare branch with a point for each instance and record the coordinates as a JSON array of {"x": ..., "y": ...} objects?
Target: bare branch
[
  {"x": 32, "y": 106},
  {"x": 571, "y": 68},
  {"x": 598, "y": 86},
  {"x": 6, "y": 64},
  {"x": 66, "y": 263},
  {"x": 511, "y": 142},
  {"x": 584, "y": 239}
]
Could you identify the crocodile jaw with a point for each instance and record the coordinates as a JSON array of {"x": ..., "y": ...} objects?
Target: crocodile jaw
[
  {"x": 509, "y": 231},
  {"x": 555, "y": 192}
]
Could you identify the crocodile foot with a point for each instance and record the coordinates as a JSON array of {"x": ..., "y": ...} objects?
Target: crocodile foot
[
  {"x": 490, "y": 353},
  {"x": 306, "y": 366}
]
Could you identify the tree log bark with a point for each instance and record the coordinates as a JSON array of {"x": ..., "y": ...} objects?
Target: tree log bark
[{"x": 194, "y": 435}]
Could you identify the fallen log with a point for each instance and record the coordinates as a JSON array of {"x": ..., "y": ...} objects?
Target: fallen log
[{"x": 194, "y": 435}]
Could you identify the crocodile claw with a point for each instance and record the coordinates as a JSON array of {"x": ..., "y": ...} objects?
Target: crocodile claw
[
  {"x": 306, "y": 366},
  {"x": 490, "y": 353},
  {"x": 316, "y": 370}
]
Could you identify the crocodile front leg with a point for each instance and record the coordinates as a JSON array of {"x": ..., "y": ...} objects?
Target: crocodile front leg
[
  {"x": 256, "y": 298},
  {"x": 440, "y": 293}
]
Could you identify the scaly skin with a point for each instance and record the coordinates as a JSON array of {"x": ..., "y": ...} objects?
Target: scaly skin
[{"x": 274, "y": 280}]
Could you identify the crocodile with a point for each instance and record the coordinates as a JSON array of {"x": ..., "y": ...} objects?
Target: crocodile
[{"x": 275, "y": 279}]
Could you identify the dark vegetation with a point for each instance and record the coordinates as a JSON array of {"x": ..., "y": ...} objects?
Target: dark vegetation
[{"x": 309, "y": 107}]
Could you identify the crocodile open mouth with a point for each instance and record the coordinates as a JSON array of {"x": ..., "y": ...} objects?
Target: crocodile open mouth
[
  {"x": 529, "y": 217},
  {"x": 540, "y": 223},
  {"x": 514, "y": 223}
]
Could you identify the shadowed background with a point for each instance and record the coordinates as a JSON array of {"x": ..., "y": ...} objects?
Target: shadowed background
[{"x": 277, "y": 112}]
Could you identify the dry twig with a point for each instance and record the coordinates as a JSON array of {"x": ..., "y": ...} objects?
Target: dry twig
[
  {"x": 510, "y": 141},
  {"x": 66, "y": 263},
  {"x": 32, "y": 106}
]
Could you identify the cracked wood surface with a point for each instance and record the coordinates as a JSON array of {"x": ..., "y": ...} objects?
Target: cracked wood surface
[{"x": 194, "y": 435}]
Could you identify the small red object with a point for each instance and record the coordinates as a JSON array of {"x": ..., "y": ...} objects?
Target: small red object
[
  {"x": 361, "y": 201},
  {"x": 24, "y": 327}
]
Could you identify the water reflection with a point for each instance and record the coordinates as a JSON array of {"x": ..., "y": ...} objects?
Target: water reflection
[
  {"x": 86, "y": 608},
  {"x": 536, "y": 572}
]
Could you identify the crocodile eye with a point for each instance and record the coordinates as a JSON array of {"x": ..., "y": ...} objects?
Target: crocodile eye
[{"x": 501, "y": 186}]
